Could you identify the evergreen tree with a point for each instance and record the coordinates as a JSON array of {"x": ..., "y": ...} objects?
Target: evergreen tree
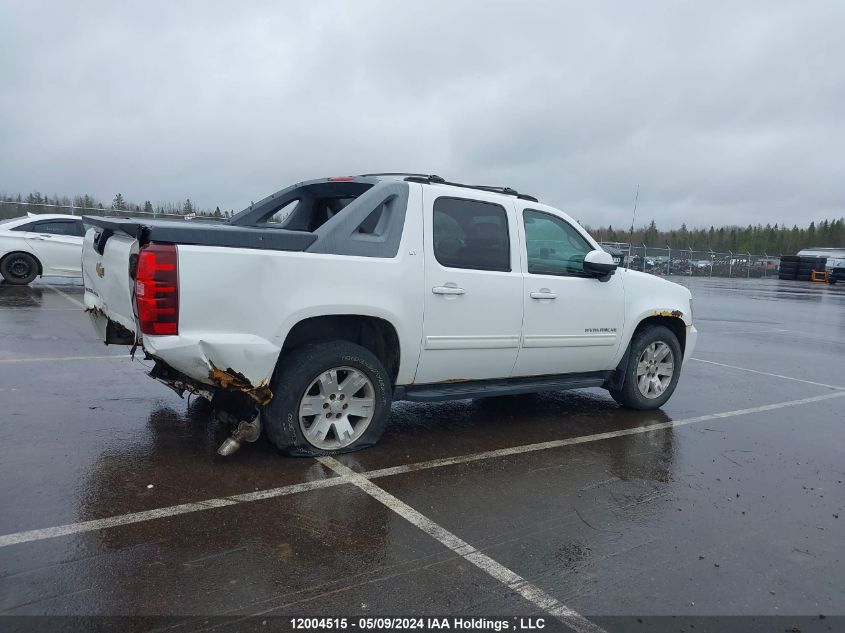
[
  {"x": 118, "y": 202},
  {"x": 651, "y": 234}
]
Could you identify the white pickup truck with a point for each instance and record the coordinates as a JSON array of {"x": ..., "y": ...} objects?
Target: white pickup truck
[{"x": 312, "y": 310}]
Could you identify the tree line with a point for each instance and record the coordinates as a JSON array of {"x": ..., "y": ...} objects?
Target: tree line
[
  {"x": 35, "y": 202},
  {"x": 772, "y": 239}
]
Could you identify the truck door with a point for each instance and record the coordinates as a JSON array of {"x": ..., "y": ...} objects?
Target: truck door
[
  {"x": 473, "y": 287},
  {"x": 573, "y": 322}
]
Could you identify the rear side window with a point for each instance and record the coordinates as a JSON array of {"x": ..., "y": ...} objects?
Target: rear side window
[
  {"x": 59, "y": 227},
  {"x": 471, "y": 234}
]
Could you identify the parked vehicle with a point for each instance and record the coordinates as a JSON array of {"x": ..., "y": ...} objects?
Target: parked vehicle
[
  {"x": 615, "y": 253},
  {"x": 49, "y": 244},
  {"x": 312, "y": 310},
  {"x": 837, "y": 274}
]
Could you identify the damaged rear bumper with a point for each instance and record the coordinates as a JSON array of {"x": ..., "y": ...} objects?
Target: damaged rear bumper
[
  {"x": 201, "y": 365},
  {"x": 240, "y": 363}
]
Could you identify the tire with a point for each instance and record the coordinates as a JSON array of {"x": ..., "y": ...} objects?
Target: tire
[
  {"x": 631, "y": 395},
  {"x": 789, "y": 258},
  {"x": 19, "y": 269},
  {"x": 306, "y": 373},
  {"x": 788, "y": 268},
  {"x": 805, "y": 269},
  {"x": 787, "y": 277}
]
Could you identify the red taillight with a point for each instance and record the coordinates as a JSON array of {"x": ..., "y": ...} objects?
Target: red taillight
[
  {"x": 157, "y": 289},
  {"x": 341, "y": 178}
]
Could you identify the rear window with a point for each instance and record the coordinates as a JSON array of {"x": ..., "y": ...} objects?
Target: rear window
[
  {"x": 304, "y": 208},
  {"x": 471, "y": 234},
  {"x": 278, "y": 217}
]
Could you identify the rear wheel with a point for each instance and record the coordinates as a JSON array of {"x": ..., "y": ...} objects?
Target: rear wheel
[
  {"x": 654, "y": 365},
  {"x": 329, "y": 397},
  {"x": 19, "y": 269}
]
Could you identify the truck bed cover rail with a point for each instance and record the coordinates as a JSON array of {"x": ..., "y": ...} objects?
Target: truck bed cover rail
[{"x": 206, "y": 234}]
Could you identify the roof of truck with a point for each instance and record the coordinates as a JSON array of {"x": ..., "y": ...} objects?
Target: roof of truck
[{"x": 433, "y": 179}]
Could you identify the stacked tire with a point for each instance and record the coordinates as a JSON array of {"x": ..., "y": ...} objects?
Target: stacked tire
[
  {"x": 793, "y": 267},
  {"x": 788, "y": 268}
]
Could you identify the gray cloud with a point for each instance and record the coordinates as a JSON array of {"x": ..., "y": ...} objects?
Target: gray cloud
[{"x": 722, "y": 112}]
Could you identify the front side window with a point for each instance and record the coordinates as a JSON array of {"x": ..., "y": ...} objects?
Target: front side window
[
  {"x": 554, "y": 246},
  {"x": 471, "y": 234}
]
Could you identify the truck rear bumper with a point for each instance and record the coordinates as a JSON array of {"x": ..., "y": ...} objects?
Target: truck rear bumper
[{"x": 238, "y": 362}]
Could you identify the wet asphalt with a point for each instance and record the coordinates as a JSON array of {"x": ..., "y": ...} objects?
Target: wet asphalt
[{"x": 742, "y": 515}]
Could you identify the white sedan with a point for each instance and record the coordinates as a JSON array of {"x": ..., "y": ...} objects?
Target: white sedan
[{"x": 47, "y": 244}]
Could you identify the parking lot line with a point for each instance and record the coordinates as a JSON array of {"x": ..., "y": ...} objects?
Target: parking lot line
[
  {"x": 148, "y": 515},
  {"x": 59, "y": 358},
  {"x": 65, "y": 295},
  {"x": 745, "y": 332},
  {"x": 161, "y": 513},
  {"x": 541, "y": 446},
  {"x": 765, "y": 373},
  {"x": 511, "y": 579}
]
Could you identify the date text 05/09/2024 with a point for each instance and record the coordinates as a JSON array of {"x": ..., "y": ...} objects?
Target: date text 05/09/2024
[{"x": 419, "y": 624}]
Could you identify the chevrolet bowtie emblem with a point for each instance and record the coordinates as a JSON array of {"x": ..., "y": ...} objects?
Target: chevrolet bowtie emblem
[{"x": 100, "y": 270}]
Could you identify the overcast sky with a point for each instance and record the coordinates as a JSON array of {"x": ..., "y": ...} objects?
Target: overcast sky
[{"x": 722, "y": 112}]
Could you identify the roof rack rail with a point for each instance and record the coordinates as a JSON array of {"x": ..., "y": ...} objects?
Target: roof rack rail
[
  {"x": 398, "y": 173},
  {"x": 508, "y": 191}
]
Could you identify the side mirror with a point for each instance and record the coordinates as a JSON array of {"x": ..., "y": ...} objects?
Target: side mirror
[{"x": 599, "y": 264}]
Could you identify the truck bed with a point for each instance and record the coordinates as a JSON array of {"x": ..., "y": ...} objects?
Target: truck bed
[{"x": 204, "y": 233}]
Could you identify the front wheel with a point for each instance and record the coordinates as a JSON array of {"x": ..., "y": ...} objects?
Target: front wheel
[
  {"x": 328, "y": 398},
  {"x": 654, "y": 365}
]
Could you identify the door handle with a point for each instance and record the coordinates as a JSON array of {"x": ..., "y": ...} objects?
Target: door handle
[
  {"x": 449, "y": 289},
  {"x": 544, "y": 293}
]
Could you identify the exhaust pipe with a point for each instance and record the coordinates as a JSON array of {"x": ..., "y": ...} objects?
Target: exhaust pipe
[{"x": 247, "y": 431}]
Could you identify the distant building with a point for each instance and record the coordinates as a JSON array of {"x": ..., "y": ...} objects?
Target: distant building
[{"x": 835, "y": 256}]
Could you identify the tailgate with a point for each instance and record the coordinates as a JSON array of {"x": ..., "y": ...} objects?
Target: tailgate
[{"x": 108, "y": 287}]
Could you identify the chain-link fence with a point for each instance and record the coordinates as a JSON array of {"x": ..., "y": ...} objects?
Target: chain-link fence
[{"x": 695, "y": 263}]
